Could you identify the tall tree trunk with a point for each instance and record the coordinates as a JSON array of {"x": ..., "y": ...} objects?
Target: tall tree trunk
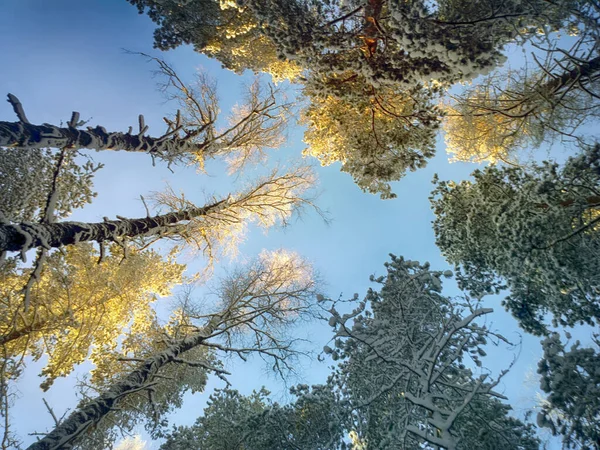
[
  {"x": 21, "y": 134},
  {"x": 25, "y": 236},
  {"x": 64, "y": 435}
]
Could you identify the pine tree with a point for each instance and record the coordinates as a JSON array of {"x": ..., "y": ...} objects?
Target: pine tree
[
  {"x": 535, "y": 231},
  {"x": 572, "y": 381}
]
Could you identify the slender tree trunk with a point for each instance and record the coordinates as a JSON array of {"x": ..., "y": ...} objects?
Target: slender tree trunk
[
  {"x": 25, "y": 236},
  {"x": 64, "y": 435},
  {"x": 21, "y": 134}
]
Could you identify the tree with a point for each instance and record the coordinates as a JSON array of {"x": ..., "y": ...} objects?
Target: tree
[
  {"x": 79, "y": 305},
  {"x": 165, "y": 394},
  {"x": 255, "y": 308},
  {"x": 534, "y": 230},
  {"x": 508, "y": 112},
  {"x": 76, "y": 310},
  {"x": 234, "y": 421},
  {"x": 35, "y": 185},
  {"x": 191, "y": 137},
  {"x": 381, "y": 62},
  {"x": 572, "y": 382},
  {"x": 221, "y": 29},
  {"x": 386, "y": 41},
  {"x": 401, "y": 382},
  {"x": 403, "y": 369},
  {"x": 27, "y": 177},
  {"x": 514, "y": 109},
  {"x": 225, "y": 423},
  {"x": 377, "y": 138},
  {"x": 272, "y": 200}
]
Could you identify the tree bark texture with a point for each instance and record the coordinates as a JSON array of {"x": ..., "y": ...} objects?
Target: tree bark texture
[
  {"x": 25, "y": 236},
  {"x": 21, "y": 134}
]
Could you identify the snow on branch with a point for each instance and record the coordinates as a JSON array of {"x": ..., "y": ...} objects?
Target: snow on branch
[{"x": 404, "y": 349}]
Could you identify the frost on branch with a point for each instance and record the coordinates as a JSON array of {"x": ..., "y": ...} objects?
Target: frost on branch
[
  {"x": 270, "y": 201},
  {"x": 255, "y": 123},
  {"x": 170, "y": 147},
  {"x": 535, "y": 230},
  {"x": 192, "y": 136}
]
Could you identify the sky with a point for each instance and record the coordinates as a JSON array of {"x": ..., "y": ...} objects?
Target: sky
[{"x": 68, "y": 55}]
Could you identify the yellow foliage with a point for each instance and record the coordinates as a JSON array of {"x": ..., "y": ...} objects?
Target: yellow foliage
[
  {"x": 339, "y": 130},
  {"x": 377, "y": 135},
  {"x": 590, "y": 219},
  {"x": 240, "y": 46},
  {"x": 79, "y": 307},
  {"x": 502, "y": 115},
  {"x": 143, "y": 340},
  {"x": 480, "y": 136},
  {"x": 324, "y": 137},
  {"x": 270, "y": 201},
  {"x": 357, "y": 442}
]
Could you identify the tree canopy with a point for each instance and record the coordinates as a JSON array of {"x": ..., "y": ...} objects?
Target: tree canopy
[
  {"x": 372, "y": 71},
  {"x": 571, "y": 380},
  {"x": 256, "y": 307},
  {"x": 534, "y": 230},
  {"x": 372, "y": 83},
  {"x": 79, "y": 307}
]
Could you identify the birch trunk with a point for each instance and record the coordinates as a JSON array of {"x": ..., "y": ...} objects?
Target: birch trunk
[
  {"x": 25, "y": 236},
  {"x": 64, "y": 435},
  {"x": 22, "y": 134}
]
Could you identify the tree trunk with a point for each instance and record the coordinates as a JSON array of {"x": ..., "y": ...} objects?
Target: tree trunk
[
  {"x": 22, "y": 134},
  {"x": 64, "y": 435},
  {"x": 25, "y": 236},
  {"x": 584, "y": 70}
]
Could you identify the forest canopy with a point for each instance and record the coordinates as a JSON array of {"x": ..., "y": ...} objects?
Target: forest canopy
[{"x": 181, "y": 247}]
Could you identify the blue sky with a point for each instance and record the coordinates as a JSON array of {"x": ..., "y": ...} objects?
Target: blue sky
[{"x": 68, "y": 55}]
